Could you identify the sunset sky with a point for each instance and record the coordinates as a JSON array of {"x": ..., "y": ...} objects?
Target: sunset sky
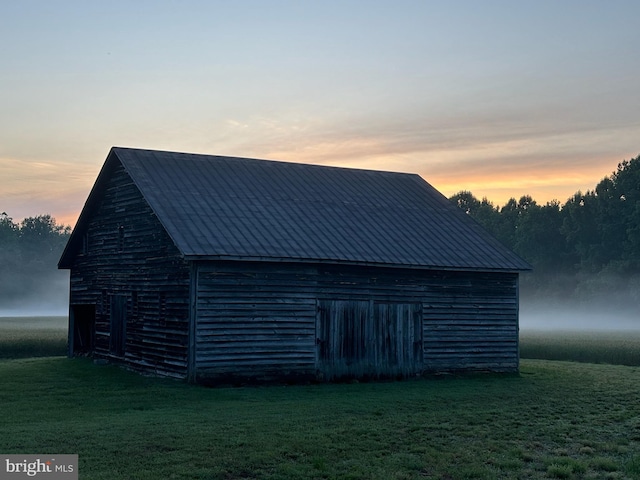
[{"x": 503, "y": 98}]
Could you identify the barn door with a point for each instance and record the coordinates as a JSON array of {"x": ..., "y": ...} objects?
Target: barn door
[
  {"x": 342, "y": 338},
  {"x": 366, "y": 339},
  {"x": 398, "y": 338},
  {"x": 118, "y": 319}
]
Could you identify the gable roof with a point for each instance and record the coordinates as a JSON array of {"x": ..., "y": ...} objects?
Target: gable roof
[{"x": 217, "y": 207}]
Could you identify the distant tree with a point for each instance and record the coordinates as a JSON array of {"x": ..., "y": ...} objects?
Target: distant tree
[
  {"x": 625, "y": 200},
  {"x": 481, "y": 211},
  {"x": 580, "y": 229},
  {"x": 519, "y": 217},
  {"x": 29, "y": 253},
  {"x": 633, "y": 235},
  {"x": 8, "y": 230},
  {"x": 525, "y": 203},
  {"x": 611, "y": 223},
  {"x": 465, "y": 201},
  {"x": 42, "y": 240},
  {"x": 508, "y": 223},
  {"x": 9, "y": 253},
  {"x": 603, "y": 225},
  {"x": 539, "y": 237}
]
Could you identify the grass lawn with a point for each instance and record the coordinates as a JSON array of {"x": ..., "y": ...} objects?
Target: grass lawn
[{"x": 554, "y": 420}]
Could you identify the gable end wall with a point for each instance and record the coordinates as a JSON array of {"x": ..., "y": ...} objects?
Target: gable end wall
[{"x": 130, "y": 255}]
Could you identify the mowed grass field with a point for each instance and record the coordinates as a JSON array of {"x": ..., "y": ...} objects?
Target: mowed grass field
[{"x": 554, "y": 420}]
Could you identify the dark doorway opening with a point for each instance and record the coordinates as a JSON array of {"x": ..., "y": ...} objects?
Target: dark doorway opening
[{"x": 82, "y": 323}]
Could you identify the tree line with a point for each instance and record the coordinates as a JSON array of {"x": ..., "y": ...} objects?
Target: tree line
[
  {"x": 587, "y": 248},
  {"x": 29, "y": 254}
]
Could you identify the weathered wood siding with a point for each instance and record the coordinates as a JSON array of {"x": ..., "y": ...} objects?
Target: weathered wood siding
[
  {"x": 255, "y": 322},
  {"x": 290, "y": 321},
  {"x": 471, "y": 322},
  {"x": 128, "y": 257}
]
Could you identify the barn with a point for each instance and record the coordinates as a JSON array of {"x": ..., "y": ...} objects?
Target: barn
[{"x": 218, "y": 269}]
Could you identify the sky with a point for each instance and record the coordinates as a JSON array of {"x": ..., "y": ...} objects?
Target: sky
[{"x": 501, "y": 98}]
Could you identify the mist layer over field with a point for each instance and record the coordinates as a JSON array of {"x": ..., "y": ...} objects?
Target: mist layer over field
[
  {"x": 50, "y": 297},
  {"x": 578, "y": 316},
  {"x": 28, "y": 297}
]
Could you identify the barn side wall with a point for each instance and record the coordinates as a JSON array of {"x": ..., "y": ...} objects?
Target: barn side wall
[
  {"x": 471, "y": 323},
  {"x": 129, "y": 263},
  {"x": 256, "y": 322},
  {"x": 261, "y": 321}
]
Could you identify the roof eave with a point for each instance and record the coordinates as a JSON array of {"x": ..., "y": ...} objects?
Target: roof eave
[{"x": 353, "y": 263}]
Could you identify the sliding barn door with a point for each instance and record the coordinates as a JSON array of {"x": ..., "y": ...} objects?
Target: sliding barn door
[
  {"x": 361, "y": 339},
  {"x": 342, "y": 336},
  {"x": 398, "y": 338}
]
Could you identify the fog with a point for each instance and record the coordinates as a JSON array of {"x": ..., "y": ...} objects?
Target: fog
[
  {"x": 50, "y": 296},
  {"x": 579, "y": 316},
  {"x": 22, "y": 297}
]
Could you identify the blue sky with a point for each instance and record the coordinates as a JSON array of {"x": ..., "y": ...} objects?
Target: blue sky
[{"x": 502, "y": 98}]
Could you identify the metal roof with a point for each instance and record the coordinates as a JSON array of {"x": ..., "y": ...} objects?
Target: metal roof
[{"x": 245, "y": 209}]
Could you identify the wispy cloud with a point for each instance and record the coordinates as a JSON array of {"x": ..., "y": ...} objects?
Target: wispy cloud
[
  {"x": 498, "y": 156},
  {"x": 35, "y": 187}
]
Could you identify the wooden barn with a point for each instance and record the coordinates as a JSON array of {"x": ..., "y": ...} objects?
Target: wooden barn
[{"x": 219, "y": 269}]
